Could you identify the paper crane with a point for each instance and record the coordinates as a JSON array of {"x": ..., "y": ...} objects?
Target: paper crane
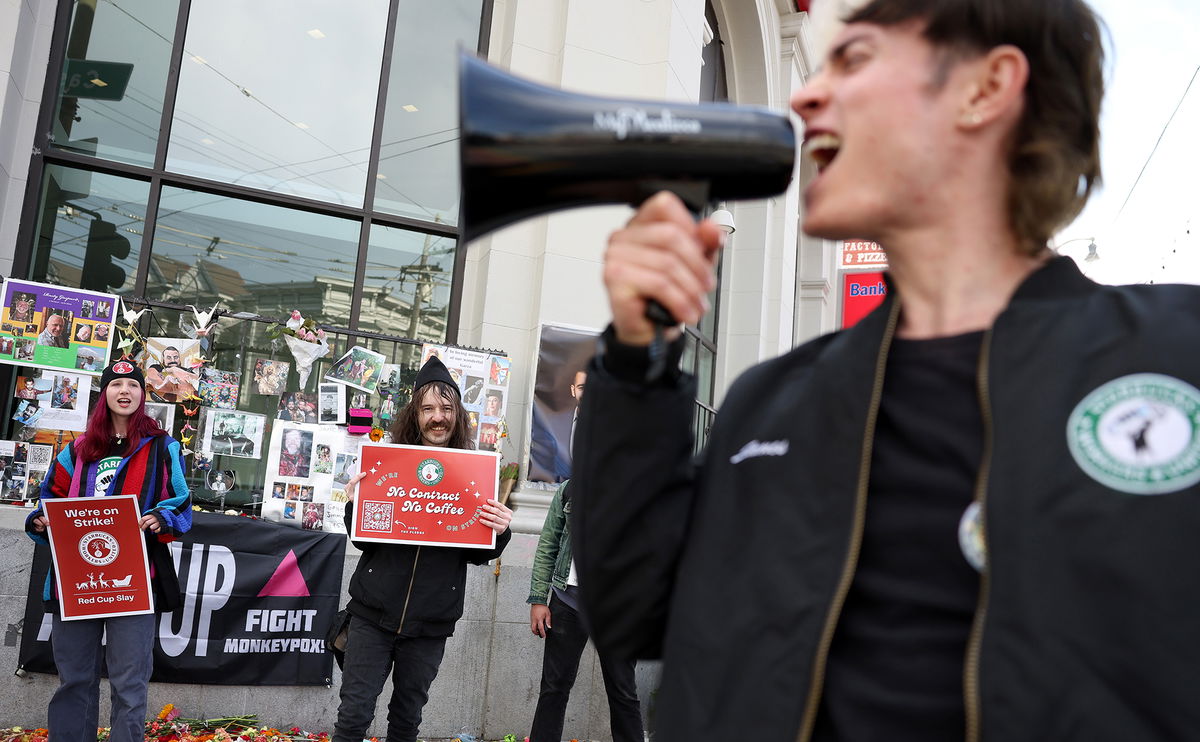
[
  {"x": 131, "y": 317},
  {"x": 130, "y": 336},
  {"x": 204, "y": 320}
]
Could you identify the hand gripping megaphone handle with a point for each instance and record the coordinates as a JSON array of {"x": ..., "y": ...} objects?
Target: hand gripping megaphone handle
[
  {"x": 659, "y": 315},
  {"x": 662, "y": 319},
  {"x": 655, "y": 311}
]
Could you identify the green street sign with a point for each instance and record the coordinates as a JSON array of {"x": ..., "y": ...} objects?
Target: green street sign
[{"x": 86, "y": 78}]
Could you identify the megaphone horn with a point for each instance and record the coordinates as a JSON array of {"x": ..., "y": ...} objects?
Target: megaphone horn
[{"x": 528, "y": 149}]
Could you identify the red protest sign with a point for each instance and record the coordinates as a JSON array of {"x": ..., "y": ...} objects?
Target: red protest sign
[
  {"x": 99, "y": 556},
  {"x": 425, "y": 495}
]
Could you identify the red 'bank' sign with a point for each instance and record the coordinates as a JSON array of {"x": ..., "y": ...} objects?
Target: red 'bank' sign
[
  {"x": 99, "y": 556},
  {"x": 861, "y": 292},
  {"x": 425, "y": 495}
]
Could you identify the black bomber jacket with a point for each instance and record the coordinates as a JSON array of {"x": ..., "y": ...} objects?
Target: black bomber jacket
[
  {"x": 733, "y": 569},
  {"x": 414, "y": 590}
]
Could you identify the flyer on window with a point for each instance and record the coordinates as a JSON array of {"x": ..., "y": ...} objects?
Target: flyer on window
[
  {"x": 482, "y": 379},
  {"x": 424, "y": 495},
  {"x": 307, "y": 471},
  {"x": 231, "y": 432},
  {"x": 62, "y": 399},
  {"x": 219, "y": 389},
  {"x": 360, "y": 368},
  {"x": 170, "y": 365},
  {"x": 55, "y": 327},
  {"x": 99, "y": 556},
  {"x": 23, "y": 466}
]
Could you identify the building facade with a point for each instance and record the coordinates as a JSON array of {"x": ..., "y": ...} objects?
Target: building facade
[
  {"x": 274, "y": 156},
  {"x": 314, "y": 168}
]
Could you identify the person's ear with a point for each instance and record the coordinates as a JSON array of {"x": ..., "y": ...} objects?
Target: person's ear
[{"x": 995, "y": 87}]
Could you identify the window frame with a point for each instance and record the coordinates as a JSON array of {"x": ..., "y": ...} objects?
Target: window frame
[{"x": 45, "y": 154}]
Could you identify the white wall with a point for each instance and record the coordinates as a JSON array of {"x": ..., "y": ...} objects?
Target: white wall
[
  {"x": 547, "y": 270},
  {"x": 25, "y": 29},
  {"x": 777, "y": 288}
]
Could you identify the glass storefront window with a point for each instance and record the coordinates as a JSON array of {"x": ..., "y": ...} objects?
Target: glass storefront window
[
  {"x": 708, "y": 321},
  {"x": 252, "y": 257},
  {"x": 688, "y": 361},
  {"x": 406, "y": 289},
  {"x": 407, "y": 359},
  {"x": 705, "y": 373},
  {"x": 111, "y": 96},
  {"x": 418, "y": 157},
  {"x": 93, "y": 220},
  {"x": 236, "y": 346},
  {"x": 280, "y": 95}
]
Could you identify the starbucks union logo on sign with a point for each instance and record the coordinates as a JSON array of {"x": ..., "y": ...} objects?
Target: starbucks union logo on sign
[
  {"x": 99, "y": 548},
  {"x": 1138, "y": 434},
  {"x": 430, "y": 472}
]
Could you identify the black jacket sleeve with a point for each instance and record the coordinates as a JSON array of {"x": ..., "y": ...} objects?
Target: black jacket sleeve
[
  {"x": 632, "y": 486},
  {"x": 483, "y": 556},
  {"x": 363, "y": 546}
]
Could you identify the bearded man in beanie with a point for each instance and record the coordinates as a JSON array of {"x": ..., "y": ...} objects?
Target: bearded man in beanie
[
  {"x": 123, "y": 452},
  {"x": 405, "y": 600}
]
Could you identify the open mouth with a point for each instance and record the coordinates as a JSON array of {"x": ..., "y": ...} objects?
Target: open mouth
[{"x": 822, "y": 148}]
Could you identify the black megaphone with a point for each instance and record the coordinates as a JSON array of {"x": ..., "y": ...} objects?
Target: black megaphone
[{"x": 527, "y": 149}]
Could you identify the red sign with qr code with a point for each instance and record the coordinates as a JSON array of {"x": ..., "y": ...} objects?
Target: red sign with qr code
[
  {"x": 424, "y": 495},
  {"x": 99, "y": 556}
]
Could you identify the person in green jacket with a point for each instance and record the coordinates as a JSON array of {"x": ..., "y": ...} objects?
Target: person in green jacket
[{"x": 554, "y": 615}]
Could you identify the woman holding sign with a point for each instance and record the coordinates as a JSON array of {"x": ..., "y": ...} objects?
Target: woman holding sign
[{"x": 123, "y": 452}]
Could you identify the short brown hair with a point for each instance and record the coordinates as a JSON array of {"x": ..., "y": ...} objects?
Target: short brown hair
[{"x": 1055, "y": 156}]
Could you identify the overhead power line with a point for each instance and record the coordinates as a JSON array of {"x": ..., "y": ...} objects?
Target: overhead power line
[{"x": 1156, "y": 143}]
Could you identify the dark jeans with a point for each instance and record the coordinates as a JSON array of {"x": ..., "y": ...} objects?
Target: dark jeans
[
  {"x": 129, "y": 654},
  {"x": 560, "y": 663},
  {"x": 370, "y": 653}
]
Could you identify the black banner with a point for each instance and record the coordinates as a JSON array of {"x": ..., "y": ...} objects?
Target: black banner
[{"x": 258, "y": 600}]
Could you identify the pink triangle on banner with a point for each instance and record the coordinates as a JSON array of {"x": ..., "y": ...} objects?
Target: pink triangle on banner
[{"x": 287, "y": 581}]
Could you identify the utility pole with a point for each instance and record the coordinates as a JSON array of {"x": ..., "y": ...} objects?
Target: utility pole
[{"x": 424, "y": 274}]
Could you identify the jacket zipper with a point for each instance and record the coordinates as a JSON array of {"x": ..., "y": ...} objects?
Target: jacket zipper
[
  {"x": 971, "y": 667},
  {"x": 860, "y": 514},
  {"x": 411, "y": 578}
]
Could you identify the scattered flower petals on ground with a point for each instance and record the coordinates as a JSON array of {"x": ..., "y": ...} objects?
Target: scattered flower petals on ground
[{"x": 170, "y": 726}]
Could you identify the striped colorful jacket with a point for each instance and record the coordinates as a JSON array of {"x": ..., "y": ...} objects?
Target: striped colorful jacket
[{"x": 154, "y": 472}]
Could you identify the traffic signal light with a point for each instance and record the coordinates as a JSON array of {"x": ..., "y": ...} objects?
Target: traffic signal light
[{"x": 104, "y": 247}]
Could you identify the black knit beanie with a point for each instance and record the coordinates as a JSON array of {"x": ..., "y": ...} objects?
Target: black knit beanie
[
  {"x": 433, "y": 370},
  {"x": 122, "y": 369}
]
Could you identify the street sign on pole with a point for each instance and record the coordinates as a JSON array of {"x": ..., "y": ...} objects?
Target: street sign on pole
[{"x": 87, "y": 78}]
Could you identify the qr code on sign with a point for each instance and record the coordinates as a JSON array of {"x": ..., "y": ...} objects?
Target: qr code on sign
[{"x": 377, "y": 516}]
